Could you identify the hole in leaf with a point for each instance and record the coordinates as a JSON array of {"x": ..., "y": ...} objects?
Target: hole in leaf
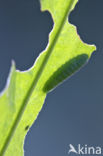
[{"x": 24, "y": 33}]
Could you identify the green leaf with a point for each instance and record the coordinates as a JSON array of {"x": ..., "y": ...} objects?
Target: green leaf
[{"x": 24, "y": 95}]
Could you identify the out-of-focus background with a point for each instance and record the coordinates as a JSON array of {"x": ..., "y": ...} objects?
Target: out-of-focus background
[{"x": 73, "y": 112}]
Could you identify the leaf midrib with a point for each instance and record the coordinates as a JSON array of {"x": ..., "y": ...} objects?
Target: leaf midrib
[{"x": 35, "y": 81}]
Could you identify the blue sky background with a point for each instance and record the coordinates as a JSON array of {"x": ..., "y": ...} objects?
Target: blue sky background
[{"x": 73, "y": 112}]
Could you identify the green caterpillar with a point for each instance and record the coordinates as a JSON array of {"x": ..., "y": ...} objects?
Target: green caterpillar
[{"x": 65, "y": 71}]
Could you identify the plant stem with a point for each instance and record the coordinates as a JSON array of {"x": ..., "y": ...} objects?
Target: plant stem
[{"x": 35, "y": 81}]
